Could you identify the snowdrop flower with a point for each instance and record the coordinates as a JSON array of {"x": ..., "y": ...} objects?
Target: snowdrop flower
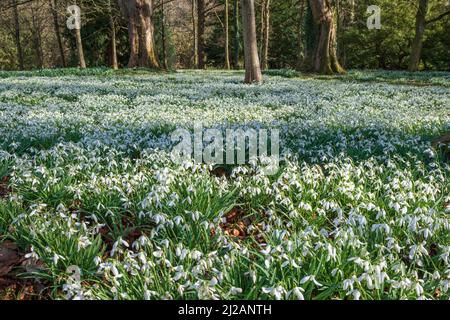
[
  {"x": 310, "y": 278},
  {"x": 298, "y": 293}
]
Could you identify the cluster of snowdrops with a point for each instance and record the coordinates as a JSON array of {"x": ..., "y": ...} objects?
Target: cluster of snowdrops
[{"x": 359, "y": 209}]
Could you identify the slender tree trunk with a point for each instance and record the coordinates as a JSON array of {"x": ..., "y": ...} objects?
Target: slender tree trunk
[
  {"x": 79, "y": 43},
  {"x": 17, "y": 34},
  {"x": 58, "y": 32},
  {"x": 163, "y": 36},
  {"x": 301, "y": 48},
  {"x": 416, "y": 47},
  {"x": 114, "y": 62},
  {"x": 252, "y": 66},
  {"x": 325, "y": 59},
  {"x": 266, "y": 35},
  {"x": 133, "y": 35},
  {"x": 37, "y": 38},
  {"x": 195, "y": 32},
  {"x": 236, "y": 40},
  {"x": 227, "y": 37},
  {"x": 339, "y": 42},
  {"x": 113, "y": 49},
  {"x": 262, "y": 17},
  {"x": 81, "y": 61},
  {"x": 201, "y": 33}
]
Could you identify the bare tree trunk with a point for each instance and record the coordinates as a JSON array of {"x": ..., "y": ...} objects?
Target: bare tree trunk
[
  {"x": 416, "y": 47},
  {"x": 325, "y": 59},
  {"x": 266, "y": 34},
  {"x": 114, "y": 62},
  {"x": 227, "y": 37},
  {"x": 236, "y": 43},
  {"x": 147, "y": 55},
  {"x": 195, "y": 32},
  {"x": 261, "y": 29},
  {"x": 139, "y": 14},
  {"x": 17, "y": 34},
  {"x": 133, "y": 35},
  {"x": 301, "y": 48},
  {"x": 81, "y": 61},
  {"x": 252, "y": 66},
  {"x": 79, "y": 43},
  {"x": 163, "y": 35},
  {"x": 344, "y": 16},
  {"x": 201, "y": 33},
  {"x": 112, "y": 25},
  {"x": 37, "y": 37},
  {"x": 58, "y": 32}
]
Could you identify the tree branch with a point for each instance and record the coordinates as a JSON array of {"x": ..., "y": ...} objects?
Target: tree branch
[
  {"x": 439, "y": 17},
  {"x": 14, "y": 5}
]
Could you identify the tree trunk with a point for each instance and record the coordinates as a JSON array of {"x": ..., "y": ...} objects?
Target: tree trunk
[
  {"x": 58, "y": 32},
  {"x": 79, "y": 43},
  {"x": 195, "y": 32},
  {"x": 112, "y": 25},
  {"x": 17, "y": 34},
  {"x": 201, "y": 33},
  {"x": 37, "y": 38},
  {"x": 81, "y": 61},
  {"x": 227, "y": 37},
  {"x": 301, "y": 48},
  {"x": 252, "y": 66},
  {"x": 416, "y": 47},
  {"x": 139, "y": 14},
  {"x": 261, "y": 29},
  {"x": 147, "y": 56},
  {"x": 163, "y": 36},
  {"x": 266, "y": 34},
  {"x": 114, "y": 62},
  {"x": 236, "y": 40},
  {"x": 325, "y": 59},
  {"x": 339, "y": 31}
]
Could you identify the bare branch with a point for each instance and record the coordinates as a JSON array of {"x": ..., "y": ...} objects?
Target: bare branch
[{"x": 439, "y": 17}]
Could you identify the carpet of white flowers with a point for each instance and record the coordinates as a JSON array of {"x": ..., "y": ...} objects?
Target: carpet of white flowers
[{"x": 360, "y": 208}]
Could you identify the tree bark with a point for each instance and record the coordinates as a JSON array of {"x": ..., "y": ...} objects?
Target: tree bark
[
  {"x": 236, "y": 40},
  {"x": 139, "y": 14},
  {"x": 17, "y": 35},
  {"x": 163, "y": 36},
  {"x": 113, "y": 42},
  {"x": 81, "y": 61},
  {"x": 147, "y": 53},
  {"x": 266, "y": 34},
  {"x": 201, "y": 33},
  {"x": 79, "y": 43},
  {"x": 58, "y": 32},
  {"x": 301, "y": 48},
  {"x": 112, "y": 25},
  {"x": 325, "y": 59},
  {"x": 252, "y": 66},
  {"x": 227, "y": 37},
  {"x": 195, "y": 32},
  {"x": 37, "y": 38},
  {"x": 416, "y": 47},
  {"x": 340, "y": 20}
]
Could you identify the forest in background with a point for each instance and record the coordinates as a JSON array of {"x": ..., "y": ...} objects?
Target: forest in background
[{"x": 208, "y": 34}]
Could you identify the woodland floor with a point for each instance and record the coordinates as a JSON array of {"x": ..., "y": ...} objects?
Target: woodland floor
[{"x": 359, "y": 209}]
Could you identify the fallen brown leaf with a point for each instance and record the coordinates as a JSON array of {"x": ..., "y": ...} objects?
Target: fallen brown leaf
[
  {"x": 220, "y": 172},
  {"x": 4, "y": 188},
  {"x": 9, "y": 257}
]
